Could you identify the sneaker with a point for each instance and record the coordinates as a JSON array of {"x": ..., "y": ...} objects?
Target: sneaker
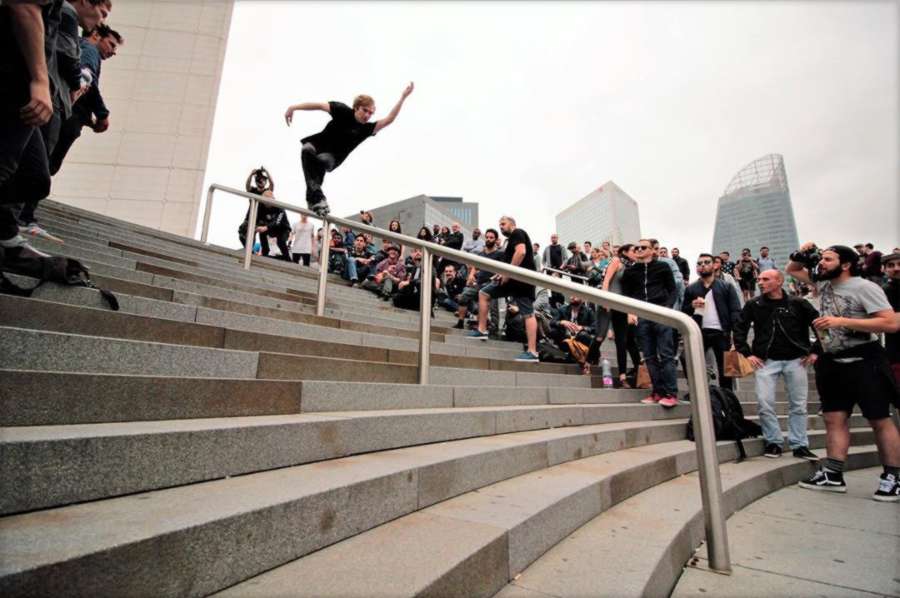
[
  {"x": 888, "y": 489},
  {"x": 651, "y": 400},
  {"x": 669, "y": 401},
  {"x": 478, "y": 335},
  {"x": 33, "y": 229},
  {"x": 773, "y": 451},
  {"x": 320, "y": 208},
  {"x": 460, "y": 324},
  {"x": 825, "y": 480},
  {"x": 803, "y": 452},
  {"x": 528, "y": 357}
]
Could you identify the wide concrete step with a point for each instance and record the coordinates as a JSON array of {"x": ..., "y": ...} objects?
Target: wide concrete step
[
  {"x": 103, "y": 460},
  {"x": 231, "y": 529},
  {"x": 479, "y": 540},
  {"x": 202, "y": 326},
  {"x": 640, "y": 546},
  {"x": 34, "y": 398},
  {"x": 28, "y": 349}
]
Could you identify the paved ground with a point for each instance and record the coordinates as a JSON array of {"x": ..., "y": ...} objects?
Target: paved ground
[{"x": 796, "y": 542}]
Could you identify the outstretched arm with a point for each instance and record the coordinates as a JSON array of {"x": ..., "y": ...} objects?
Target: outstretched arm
[
  {"x": 396, "y": 109},
  {"x": 289, "y": 113}
]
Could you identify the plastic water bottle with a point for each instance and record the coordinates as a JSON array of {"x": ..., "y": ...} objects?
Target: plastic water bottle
[{"x": 607, "y": 374}]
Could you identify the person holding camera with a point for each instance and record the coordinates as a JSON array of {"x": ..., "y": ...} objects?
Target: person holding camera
[
  {"x": 781, "y": 347},
  {"x": 853, "y": 368}
]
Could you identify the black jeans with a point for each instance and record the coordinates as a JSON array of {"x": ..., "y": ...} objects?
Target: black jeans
[
  {"x": 315, "y": 165},
  {"x": 24, "y": 176},
  {"x": 69, "y": 132},
  {"x": 719, "y": 342},
  {"x": 626, "y": 339},
  {"x": 301, "y": 256},
  {"x": 281, "y": 240}
]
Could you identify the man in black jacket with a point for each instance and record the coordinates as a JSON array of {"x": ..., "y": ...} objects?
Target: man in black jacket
[
  {"x": 891, "y": 264},
  {"x": 651, "y": 280},
  {"x": 683, "y": 266},
  {"x": 576, "y": 320},
  {"x": 781, "y": 326},
  {"x": 714, "y": 305}
]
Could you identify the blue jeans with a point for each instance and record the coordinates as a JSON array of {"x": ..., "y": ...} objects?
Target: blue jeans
[
  {"x": 797, "y": 385},
  {"x": 657, "y": 343}
]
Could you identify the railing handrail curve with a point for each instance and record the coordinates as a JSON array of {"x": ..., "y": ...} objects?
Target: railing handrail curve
[{"x": 707, "y": 457}]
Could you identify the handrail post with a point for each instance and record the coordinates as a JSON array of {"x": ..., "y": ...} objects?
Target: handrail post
[
  {"x": 207, "y": 212},
  {"x": 251, "y": 233},
  {"x": 323, "y": 267},
  {"x": 707, "y": 455},
  {"x": 426, "y": 285}
]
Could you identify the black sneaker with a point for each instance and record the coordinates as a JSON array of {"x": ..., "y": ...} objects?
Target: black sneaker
[
  {"x": 772, "y": 451},
  {"x": 888, "y": 489},
  {"x": 825, "y": 480},
  {"x": 803, "y": 452},
  {"x": 459, "y": 324}
]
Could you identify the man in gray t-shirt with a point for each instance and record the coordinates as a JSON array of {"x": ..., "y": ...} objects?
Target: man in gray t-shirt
[{"x": 854, "y": 368}]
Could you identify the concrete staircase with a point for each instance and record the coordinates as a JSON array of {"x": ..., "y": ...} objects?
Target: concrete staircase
[{"x": 216, "y": 436}]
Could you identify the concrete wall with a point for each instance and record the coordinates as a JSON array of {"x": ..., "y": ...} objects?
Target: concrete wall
[{"x": 161, "y": 90}]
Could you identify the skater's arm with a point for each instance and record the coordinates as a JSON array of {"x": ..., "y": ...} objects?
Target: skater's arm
[
  {"x": 392, "y": 115},
  {"x": 289, "y": 113}
]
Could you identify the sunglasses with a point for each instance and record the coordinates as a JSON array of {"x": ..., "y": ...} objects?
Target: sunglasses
[
  {"x": 704, "y": 263},
  {"x": 642, "y": 247}
]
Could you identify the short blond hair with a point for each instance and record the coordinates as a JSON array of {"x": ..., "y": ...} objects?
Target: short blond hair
[{"x": 362, "y": 100}]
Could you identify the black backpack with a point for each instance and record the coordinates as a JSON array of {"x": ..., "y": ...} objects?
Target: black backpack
[
  {"x": 548, "y": 352},
  {"x": 729, "y": 422}
]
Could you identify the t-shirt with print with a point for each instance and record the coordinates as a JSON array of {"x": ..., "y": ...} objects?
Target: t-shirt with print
[
  {"x": 856, "y": 298},
  {"x": 516, "y": 238},
  {"x": 342, "y": 133}
]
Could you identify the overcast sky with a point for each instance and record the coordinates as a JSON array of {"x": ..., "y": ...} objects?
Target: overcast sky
[{"x": 525, "y": 107}]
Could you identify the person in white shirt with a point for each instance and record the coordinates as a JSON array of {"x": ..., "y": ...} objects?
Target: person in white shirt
[{"x": 302, "y": 240}]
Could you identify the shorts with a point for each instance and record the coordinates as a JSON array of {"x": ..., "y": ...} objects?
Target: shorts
[
  {"x": 525, "y": 303},
  {"x": 468, "y": 295},
  {"x": 868, "y": 383},
  {"x": 747, "y": 284}
]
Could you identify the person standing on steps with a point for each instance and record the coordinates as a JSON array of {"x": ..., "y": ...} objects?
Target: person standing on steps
[
  {"x": 781, "y": 347},
  {"x": 327, "y": 149},
  {"x": 853, "y": 368}
]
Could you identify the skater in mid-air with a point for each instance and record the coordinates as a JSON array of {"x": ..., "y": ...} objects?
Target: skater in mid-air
[{"x": 327, "y": 149}]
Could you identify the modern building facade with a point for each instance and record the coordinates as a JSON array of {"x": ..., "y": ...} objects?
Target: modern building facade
[
  {"x": 422, "y": 210},
  {"x": 465, "y": 212},
  {"x": 756, "y": 210},
  {"x": 605, "y": 214},
  {"x": 161, "y": 89}
]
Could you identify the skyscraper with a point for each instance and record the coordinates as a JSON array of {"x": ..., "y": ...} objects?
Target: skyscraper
[
  {"x": 756, "y": 210},
  {"x": 605, "y": 214}
]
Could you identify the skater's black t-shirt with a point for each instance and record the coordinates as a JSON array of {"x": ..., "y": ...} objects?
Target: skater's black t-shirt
[
  {"x": 342, "y": 133},
  {"x": 517, "y": 288}
]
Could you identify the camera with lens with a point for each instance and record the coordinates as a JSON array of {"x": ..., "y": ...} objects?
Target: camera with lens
[{"x": 809, "y": 258}]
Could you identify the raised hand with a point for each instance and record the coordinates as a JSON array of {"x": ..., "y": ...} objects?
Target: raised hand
[
  {"x": 289, "y": 115},
  {"x": 408, "y": 90}
]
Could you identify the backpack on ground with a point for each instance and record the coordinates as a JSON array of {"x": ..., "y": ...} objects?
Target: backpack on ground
[
  {"x": 550, "y": 353},
  {"x": 47, "y": 268},
  {"x": 728, "y": 418}
]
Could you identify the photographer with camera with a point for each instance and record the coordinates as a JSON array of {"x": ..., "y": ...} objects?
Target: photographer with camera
[{"x": 853, "y": 368}]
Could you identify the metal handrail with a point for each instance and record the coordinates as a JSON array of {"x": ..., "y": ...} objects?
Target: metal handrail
[
  {"x": 707, "y": 457},
  {"x": 564, "y": 273}
]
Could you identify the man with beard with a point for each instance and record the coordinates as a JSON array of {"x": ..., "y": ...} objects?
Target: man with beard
[
  {"x": 519, "y": 252},
  {"x": 781, "y": 348},
  {"x": 853, "y": 369},
  {"x": 714, "y": 305},
  {"x": 477, "y": 279},
  {"x": 892, "y": 290}
]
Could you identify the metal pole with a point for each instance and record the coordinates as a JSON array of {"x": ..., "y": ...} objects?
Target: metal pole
[
  {"x": 251, "y": 233},
  {"x": 207, "y": 212},
  {"x": 707, "y": 456},
  {"x": 323, "y": 267},
  {"x": 426, "y": 285}
]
